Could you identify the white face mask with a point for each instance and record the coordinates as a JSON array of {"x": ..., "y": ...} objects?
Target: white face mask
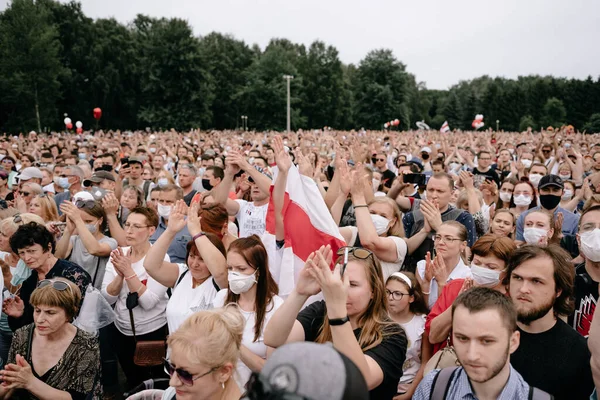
[
  {"x": 162, "y": 182},
  {"x": 240, "y": 283},
  {"x": 526, "y": 163},
  {"x": 454, "y": 166},
  {"x": 565, "y": 177},
  {"x": 381, "y": 223},
  {"x": 590, "y": 245},
  {"x": 164, "y": 211},
  {"x": 376, "y": 183},
  {"x": 505, "y": 196},
  {"x": 485, "y": 277},
  {"x": 522, "y": 200},
  {"x": 533, "y": 235},
  {"x": 535, "y": 179},
  {"x": 567, "y": 194}
]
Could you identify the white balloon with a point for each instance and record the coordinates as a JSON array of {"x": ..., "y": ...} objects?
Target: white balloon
[
  {"x": 78, "y": 124},
  {"x": 67, "y": 121}
]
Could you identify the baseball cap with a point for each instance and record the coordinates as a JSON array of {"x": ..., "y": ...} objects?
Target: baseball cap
[
  {"x": 426, "y": 150},
  {"x": 29, "y": 173},
  {"x": 551, "y": 180},
  {"x": 83, "y": 196},
  {"x": 98, "y": 177},
  {"x": 133, "y": 160},
  {"x": 310, "y": 371}
]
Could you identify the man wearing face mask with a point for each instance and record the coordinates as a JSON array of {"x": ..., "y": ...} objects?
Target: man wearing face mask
[
  {"x": 551, "y": 189},
  {"x": 167, "y": 197},
  {"x": 70, "y": 180},
  {"x": 588, "y": 273},
  {"x": 212, "y": 177}
]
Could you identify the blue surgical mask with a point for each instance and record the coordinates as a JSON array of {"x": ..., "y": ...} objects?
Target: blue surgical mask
[
  {"x": 82, "y": 156},
  {"x": 64, "y": 182},
  {"x": 162, "y": 182},
  {"x": 92, "y": 228}
]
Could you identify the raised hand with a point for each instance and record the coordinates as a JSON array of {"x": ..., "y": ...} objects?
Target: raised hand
[
  {"x": 304, "y": 165},
  {"x": 466, "y": 178},
  {"x": 467, "y": 284},
  {"x": 122, "y": 262},
  {"x": 110, "y": 203},
  {"x": 440, "y": 274},
  {"x": 193, "y": 219},
  {"x": 282, "y": 158},
  {"x": 13, "y": 307},
  {"x": 432, "y": 214}
]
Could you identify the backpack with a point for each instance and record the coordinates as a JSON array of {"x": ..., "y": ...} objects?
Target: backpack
[{"x": 441, "y": 385}]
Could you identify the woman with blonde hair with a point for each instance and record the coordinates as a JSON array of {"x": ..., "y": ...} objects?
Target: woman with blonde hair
[
  {"x": 164, "y": 178},
  {"x": 204, "y": 353},
  {"x": 45, "y": 207},
  {"x": 353, "y": 316}
]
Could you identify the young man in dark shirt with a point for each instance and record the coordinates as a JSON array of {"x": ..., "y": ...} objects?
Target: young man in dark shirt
[
  {"x": 588, "y": 273},
  {"x": 552, "y": 356}
]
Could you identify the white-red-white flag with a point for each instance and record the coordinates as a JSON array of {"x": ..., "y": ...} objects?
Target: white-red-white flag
[
  {"x": 445, "y": 127},
  {"x": 308, "y": 226}
]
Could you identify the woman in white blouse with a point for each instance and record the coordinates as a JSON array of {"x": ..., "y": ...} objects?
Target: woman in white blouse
[
  {"x": 196, "y": 283},
  {"x": 125, "y": 274}
]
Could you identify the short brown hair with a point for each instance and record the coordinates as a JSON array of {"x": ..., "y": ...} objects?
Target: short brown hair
[
  {"x": 149, "y": 213},
  {"x": 480, "y": 299},
  {"x": 68, "y": 300},
  {"x": 494, "y": 245},
  {"x": 564, "y": 273},
  {"x": 443, "y": 175}
]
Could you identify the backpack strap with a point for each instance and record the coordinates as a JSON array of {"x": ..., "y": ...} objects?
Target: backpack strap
[
  {"x": 538, "y": 394},
  {"x": 441, "y": 383}
]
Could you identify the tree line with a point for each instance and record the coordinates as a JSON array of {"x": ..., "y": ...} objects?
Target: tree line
[{"x": 154, "y": 72}]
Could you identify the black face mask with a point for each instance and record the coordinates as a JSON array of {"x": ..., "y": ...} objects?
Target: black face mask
[
  {"x": 206, "y": 184},
  {"x": 549, "y": 201},
  {"x": 107, "y": 168},
  {"x": 425, "y": 156}
]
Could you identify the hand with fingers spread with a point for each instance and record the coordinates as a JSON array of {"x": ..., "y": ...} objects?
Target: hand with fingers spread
[
  {"x": 17, "y": 376},
  {"x": 304, "y": 165},
  {"x": 282, "y": 158},
  {"x": 193, "y": 219},
  {"x": 432, "y": 214},
  {"x": 357, "y": 178},
  {"x": 177, "y": 217},
  {"x": 467, "y": 284},
  {"x": 13, "y": 307},
  {"x": 466, "y": 178},
  {"x": 110, "y": 203},
  {"x": 345, "y": 178},
  {"x": 333, "y": 285},
  {"x": 440, "y": 274},
  {"x": 307, "y": 285}
]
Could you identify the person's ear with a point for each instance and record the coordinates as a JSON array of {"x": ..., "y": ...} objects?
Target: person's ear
[{"x": 515, "y": 340}]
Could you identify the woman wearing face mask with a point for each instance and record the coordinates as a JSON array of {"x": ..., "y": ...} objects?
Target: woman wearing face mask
[
  {"x": 450, "y": 243},
  {"x": 377, "y": 184},
  {"x": 83, "y": 240},
  {"x": 523, "y": 197},
  {"x": 538, "y": 228},
  {"x": 566, "y": 201},
  {"x": 504, "y": 223},
  {"x": 490, "y": 257},
  {"x": 254, "y": 290},
  {"x": 165, "y": 178},
  {"x": 505, "y": 194},
  {"x": 195, "y": 283},
  {"x": 407, "y": 307}
]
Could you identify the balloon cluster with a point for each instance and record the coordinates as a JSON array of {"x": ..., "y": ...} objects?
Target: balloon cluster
[
  {"x": 478, "y": 122},
  {"x": 395, "y": 122},
  {"x": 79, "y": 124}
]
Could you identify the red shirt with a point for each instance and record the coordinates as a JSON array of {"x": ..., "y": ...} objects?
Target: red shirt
[{"x": 444, "y": 302}]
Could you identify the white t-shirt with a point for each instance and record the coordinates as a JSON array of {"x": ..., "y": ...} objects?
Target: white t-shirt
[
  {"x": 185, "y": 300},
  {"x": 149, "y": 315},
  {"x": 259, "y": 348},
  {"x": 414, "y": 333},
  {"x": 460, "y": 271},
  {"x": 252, "y": 219},
  {"x": 388, "y": 268}
]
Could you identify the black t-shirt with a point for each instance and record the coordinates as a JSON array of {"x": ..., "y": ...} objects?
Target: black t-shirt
[
  {"x": 556, "y": 361},
  {"x": 586, "y": 298},
  {"x": 389, "y": 354},
  {"x": 491, "y": 175},
  {"x": 387, "y": 178},
  {"x": 188, "y": 198}
]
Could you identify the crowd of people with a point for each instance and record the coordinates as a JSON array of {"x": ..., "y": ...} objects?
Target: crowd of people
[{"x": 461, "y": 264}]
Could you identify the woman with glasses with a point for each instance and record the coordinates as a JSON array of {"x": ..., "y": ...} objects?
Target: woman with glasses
[
  {"x": 125, "y": 277},
  {"x": 488, "y": 268},
  {"x": 407, "y": 307},
  {"x": 35, "y": 246},
  {"x": 83, "y": 240},
  {"x": 51, "y": 358},
  {"x": 204, "y": 354},
  {"x": 45, "y": 207},
  {"x": 353, "y": 316},
  {"x": 447, "y": 262}
]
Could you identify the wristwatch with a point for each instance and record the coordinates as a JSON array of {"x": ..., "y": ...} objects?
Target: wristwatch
[{"x": 338, "y": 321}]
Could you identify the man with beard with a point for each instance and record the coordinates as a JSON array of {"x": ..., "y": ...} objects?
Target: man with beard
[
  {"x": 552, "y": 355},
  {"x": 484, "y": 333}
]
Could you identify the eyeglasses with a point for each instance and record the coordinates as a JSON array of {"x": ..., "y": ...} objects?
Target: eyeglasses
[
  {"x": 58, "y": 285},
  {"x": 127, "y": 226},
  {"x": 85, "y": 204},
  {"x": 185, "y": 377},
  {"x": 258, "y": 389},
  {"x": 381, "y": 159},
  {"x": 395, "y": 295},
  {"x": 446, "y": 239}
]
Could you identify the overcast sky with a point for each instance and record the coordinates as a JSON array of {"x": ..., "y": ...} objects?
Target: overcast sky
[{"x": 440, "y": 41}]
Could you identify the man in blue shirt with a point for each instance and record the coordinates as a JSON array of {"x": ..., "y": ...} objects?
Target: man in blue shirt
[
  {"x": 484, "y": 334},
  {"x": 551, "y": 189}
]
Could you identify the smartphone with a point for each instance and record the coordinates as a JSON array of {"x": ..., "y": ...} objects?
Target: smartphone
[
  {"x": 125, "y": 162},
  {"x": 417, "y": 179}
]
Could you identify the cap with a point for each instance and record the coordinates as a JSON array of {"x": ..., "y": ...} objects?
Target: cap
[
  {"x": 426, "y": 150},
  {"x": 551, "y": 180},
  {"x": 83, "y": 196},
  {"x": 98, "y": 193},
  {"x": 133, "y": 160},
  {"x": 29, "y": 173},
  {"x": 98, "y": 177},
  {"x": 310, "y": 370}
]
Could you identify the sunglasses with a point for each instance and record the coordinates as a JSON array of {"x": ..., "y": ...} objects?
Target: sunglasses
[
  {"x": 357, "y": 252},
  {"x": 25, "y": 193},
  {"x": 17, "y": 219},
  {"x": 185, "y": 377},
  {"x": 58, "y": 285},
  {"x": 258, "y": 389},
  {"x": 85, "y": 204}
]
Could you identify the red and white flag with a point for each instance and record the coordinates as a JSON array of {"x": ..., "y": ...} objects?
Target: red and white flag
[
  {"x": 308, "y": 226},
  {"x": 445, "y": 127}
]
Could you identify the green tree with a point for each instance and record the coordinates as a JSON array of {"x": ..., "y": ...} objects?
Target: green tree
[
  {"x": 526, "y": 122},
  {"x": 593, "y": 125},
  {"x": 453, "y": 111},
  {"x": 554, "y": 113}
]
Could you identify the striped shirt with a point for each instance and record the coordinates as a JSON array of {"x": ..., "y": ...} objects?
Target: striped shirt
[{"x": 460, "y": 387}]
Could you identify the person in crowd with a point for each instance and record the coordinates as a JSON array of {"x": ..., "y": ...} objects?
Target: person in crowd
[
  {"x": 45, "y": 207},
  {"x": 407, "y": 307},
  {"x": 587, "y": 274},
  {"x": 488, "y": 268},
  {"x": 4, "y": 190},
  {"x": 83, "y": 240},
  {"x": 131, "y": 197},
  {"x": 186, "y": 177},
  {"x": 215, "y": 220},
  {"x": 536, "y": 173},
  {"x": 196, "y": 282},
  {"x": 485, "y": 336},
  {"x": 485, "y": 168},
  {"x": 213, "y": 176},
  {"x": 27, "y": 192},
  {"x": 148, "y": 174},
  {"x": 125, "y": 276},
  {"x": 204, "y": 353},
  {"x": 388, "y": 176},
  {"x": 353, "y": 316},
  {"x": 136, "y": 169},
  {"x": 50, "y": 358},
  {"x": 568, "y": 195},
  {"x": 523, "y": 198},
  {"x": 551, "y": 189},
  {"x": 165, "y": 178},
  {"x": 539, "y": 228},
  {"x": 103, "y": 179},
  {"x": 167, "y": 198},
  {"x": 434, "y": 210},
  {"x": 503, "y": 223},
  {"x": 70, "y": 180},
  {"x": 507, "y": 188},
  {"x": 35, "y": 246},
  {"x": 253, "y": 289},
  {"x": 449, "y": 261},
  {"x": 471, "y": 200},
  {"x": 31, "y": 175},
  {"x": 552, "y": 356}
]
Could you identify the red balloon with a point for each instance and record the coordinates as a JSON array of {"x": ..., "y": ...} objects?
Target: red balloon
[
  {"x": 97, "y": 113},
  {"x": 79, "y": 130},
  {"x": 70, "y": 125}
]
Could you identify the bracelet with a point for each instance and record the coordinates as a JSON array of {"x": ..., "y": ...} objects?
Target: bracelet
[
  {"x": 129, "y": 277},
  {"x": 338, "y": 321},
  {"x": 426, "y": 292},
  {"x": 196, "y": 236},
  {"x": 361, "y": 205}
]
